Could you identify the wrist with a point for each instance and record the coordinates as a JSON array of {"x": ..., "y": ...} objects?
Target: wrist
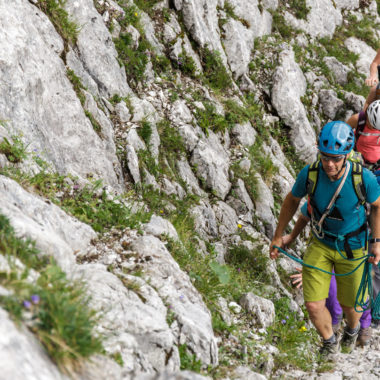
[{"x": 374, "y": 240}]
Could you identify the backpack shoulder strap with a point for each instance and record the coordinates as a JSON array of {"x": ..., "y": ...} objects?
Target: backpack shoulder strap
[
  {"x": 312, "y": 178},
  {"x": 362, "y": 119},
  {"x": 357, "y": 180},
  {"x": 355, "y": 156}
]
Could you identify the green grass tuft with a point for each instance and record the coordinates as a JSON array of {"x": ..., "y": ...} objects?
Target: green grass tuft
[
  {"x": 60, "y": 18},
  {"x": 58, "y": 311},
  {"x": 15, "y": 151},
  {"x": 215, "y": 74}
]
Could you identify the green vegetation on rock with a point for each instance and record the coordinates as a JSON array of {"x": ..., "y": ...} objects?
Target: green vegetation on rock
[{"x": 55, "y": 309}]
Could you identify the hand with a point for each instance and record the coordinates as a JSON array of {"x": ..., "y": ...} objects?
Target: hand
[
  {"x": 375, "y": 250},
  {"x": 297, "y": 278},
  {"x": 371, "y": 81},
  {"x": 274, "y": 251},
  {"x": 287, "y": 240}
]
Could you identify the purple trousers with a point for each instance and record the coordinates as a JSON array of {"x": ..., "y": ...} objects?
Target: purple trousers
[{"x": 335, "y": 309}]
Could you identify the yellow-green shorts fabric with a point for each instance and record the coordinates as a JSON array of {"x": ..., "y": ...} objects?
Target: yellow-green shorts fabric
[{"x": 316, "y": 284}]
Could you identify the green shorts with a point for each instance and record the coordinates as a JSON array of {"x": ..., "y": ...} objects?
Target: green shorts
[{"x": 316, "y": 284}]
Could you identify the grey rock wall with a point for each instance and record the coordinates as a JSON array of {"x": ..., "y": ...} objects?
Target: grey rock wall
[{"x": 147, "y": 317}]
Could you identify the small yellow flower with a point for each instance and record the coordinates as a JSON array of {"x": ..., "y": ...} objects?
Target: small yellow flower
[
  {"x": 161, "y": 211},
  {"x": 136, "y": 14},
  {"x": 303, "y": 329},
  {"x": 239, "y": 225}
]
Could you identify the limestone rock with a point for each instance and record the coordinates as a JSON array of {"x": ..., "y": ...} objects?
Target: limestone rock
[
  {"x": 46, "y": 111},
  {"x": 261, "y": 309},
  {"x": 22, "y": 355},
  {"x": 173, "y": 285},
  {"x": 264, "y": 204},
  {"x": 134, "y": 321},
  {"x": 187, "y": 175},
  {"x": 56, "y": 234},
  {"x": 226, "y": 217},
  {"x": 356, "y": 102},
  {"x": 212, "y": 164},
  {"x": 201, "y": 20},
  {"x": 238, "y": 43},
  {"x": 205, "y": 220},
  {"x": 322, "y": 19},
  {"x": 245, "y": 134},
  {"x": 289, "y": 86},
  {"x": 331, "y": 104},
  {"x": 97, "y": 53},
  {"x": 338, "y": 70},
  {"x": 366, "y": 53},
  {"x": 158, "y": 226},
  {"x": 133, "y": 163}
]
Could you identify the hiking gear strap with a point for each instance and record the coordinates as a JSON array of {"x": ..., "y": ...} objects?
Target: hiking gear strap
[
  {"x": 317, "y": 226},
  {"x": 362, "y": 119},
  {"x": 357, "y": 180}
]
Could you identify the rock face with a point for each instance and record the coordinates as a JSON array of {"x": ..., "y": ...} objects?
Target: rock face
[
  {"x": 56, "y": 233},
  {"x": 289, "y": 86},
  {"x": 321, "y": 21},
  {"x": 214, "y": 161},
  {"x": 135, "y": 323},
  {"x": 193, "y": 318},
  {"x": 200, "y": 19},
  {"x": 95, "y": 61},
  {"x": 22, "y": 354},
  {"x": 366, "y": 53},
  {"x": 33, "y": 76}
]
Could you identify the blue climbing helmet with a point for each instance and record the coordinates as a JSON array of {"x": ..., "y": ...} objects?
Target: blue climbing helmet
[{"x": 336, "y": 137}]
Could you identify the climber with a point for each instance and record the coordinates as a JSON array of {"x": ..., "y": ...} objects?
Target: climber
[
  {"x": 367, "y": 135},
  {"x": 340, "y": 227},
  {"x": 373, "y": 79},
  {"x": 332, "y": 303}
]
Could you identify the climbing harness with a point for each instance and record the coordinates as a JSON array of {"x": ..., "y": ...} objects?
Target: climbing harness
[{"x": 317, "y": 226}]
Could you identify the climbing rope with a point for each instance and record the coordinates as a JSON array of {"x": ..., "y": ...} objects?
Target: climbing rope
[{"x": 361, "y": 301}]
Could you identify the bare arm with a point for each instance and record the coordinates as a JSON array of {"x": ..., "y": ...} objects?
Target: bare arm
[
  {"x": 353, "y": 121},
  {"x": 370, "y": 98},
  {"x": 288, "y": 209},
  {"x": 372, "y": 79},
  {"x": 375, "y": 228},
  {"x": 301, "y": 223}
]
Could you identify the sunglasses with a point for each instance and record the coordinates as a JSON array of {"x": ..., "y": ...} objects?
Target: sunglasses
[{"x": 337, "y": 158}]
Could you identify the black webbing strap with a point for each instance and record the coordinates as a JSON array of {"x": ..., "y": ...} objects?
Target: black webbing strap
[{"x": 347, "y": 247}]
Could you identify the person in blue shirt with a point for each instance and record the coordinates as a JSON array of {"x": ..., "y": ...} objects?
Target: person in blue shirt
[{"x": 338, "y": 221}]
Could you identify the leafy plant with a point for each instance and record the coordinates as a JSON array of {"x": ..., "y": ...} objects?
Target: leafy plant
[
  {"x": 252, "y": 263},
  {"x": 188, "y": 361},
  {"x": 16, "y": 151},
  {"x": 133, "y": 59},
  {"x": 95, "y": 124},
  {"x": 145, "y": 131},
  {"x": 295, "y": 340},
  {"x": 60, "y": 19},
  {"x": 186, "y": 64},
  {"x": 281, "y": 26},
  {"x": 215, "y": 73},
  {"x": 59, "y": 313},
  {"x": 300, "y": 9},
  {"x": 147, "y": 5},
  {"x": 208, "y": 118},
  {"x": 77, "y": 85},
  {"x": 221, "y": 271}
]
